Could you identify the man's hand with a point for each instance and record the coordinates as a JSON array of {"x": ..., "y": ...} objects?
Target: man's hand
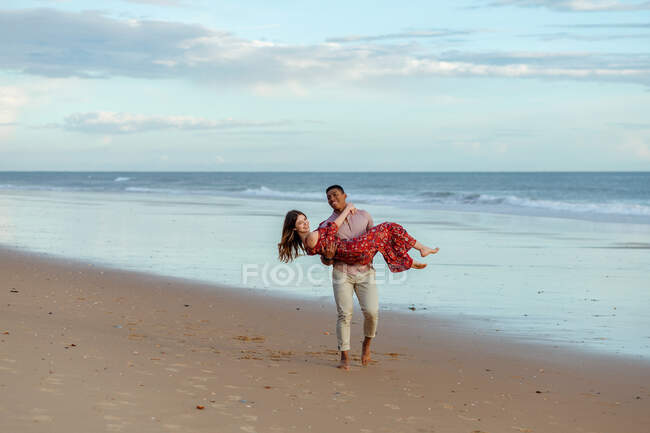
[
  {"x": 328, "y": 256},
  {"x": 330, "y": 251}
]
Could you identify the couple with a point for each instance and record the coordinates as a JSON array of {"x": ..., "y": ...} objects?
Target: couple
[{"x": 348, "y": 240}]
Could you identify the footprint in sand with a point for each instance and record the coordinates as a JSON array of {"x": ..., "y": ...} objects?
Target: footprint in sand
[
  {"x": 50, "y": 383},
  {"x": 40, "y": 415},
  {"x": 8, "y": 368},
  {"x": 54, "y": 379},
  {"x": 106, "y": 405},
  {"x": 203, "y": 378},
  {"x": 50, "y": 390}
]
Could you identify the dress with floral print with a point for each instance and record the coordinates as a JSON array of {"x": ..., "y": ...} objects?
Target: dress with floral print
[{"x": 389, "y": 239}]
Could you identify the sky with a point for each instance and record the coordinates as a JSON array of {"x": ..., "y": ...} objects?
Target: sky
[{"x": 198, "y": 85}]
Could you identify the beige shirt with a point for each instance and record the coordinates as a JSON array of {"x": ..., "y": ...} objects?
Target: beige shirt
[{"x": 353, "y": 226}]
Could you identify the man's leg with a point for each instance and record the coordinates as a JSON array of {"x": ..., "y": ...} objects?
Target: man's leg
[
  {"x": 366, "y": 289},
  {"x": 343, "y": 289}
]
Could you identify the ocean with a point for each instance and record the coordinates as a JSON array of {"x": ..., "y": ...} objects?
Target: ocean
[
  {"x": 600, "y": 196},
  {"x": 552, "y": 258}
]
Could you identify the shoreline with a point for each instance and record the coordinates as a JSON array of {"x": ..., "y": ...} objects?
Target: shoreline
[
  {"x": 449, "y": 319},
  {"x": 131, "y": 351}
]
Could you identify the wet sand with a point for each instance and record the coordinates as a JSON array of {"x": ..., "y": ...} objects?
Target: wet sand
[{"x": 84, "y": 348}]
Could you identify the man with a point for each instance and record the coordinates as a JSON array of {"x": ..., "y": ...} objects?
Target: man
[{"x": 347, "y": 279}]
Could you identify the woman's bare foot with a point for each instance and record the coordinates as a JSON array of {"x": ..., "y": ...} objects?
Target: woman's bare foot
[
  {"x": 425, "y": 251},
  {"x": 365, "y": 351},
  {"x": 344, "y": 364},
  {"x": 418, "y": 265}
]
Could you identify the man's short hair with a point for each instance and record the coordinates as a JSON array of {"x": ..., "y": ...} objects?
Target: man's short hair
[{"x": 339, "y": 187}]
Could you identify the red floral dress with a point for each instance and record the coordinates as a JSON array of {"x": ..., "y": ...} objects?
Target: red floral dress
[{"x": 390, "y": 239}]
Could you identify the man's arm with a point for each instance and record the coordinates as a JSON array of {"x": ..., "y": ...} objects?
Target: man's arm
[{"x": 371, "y": 223}]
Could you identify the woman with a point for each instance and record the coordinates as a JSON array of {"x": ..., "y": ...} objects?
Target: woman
[{"x": 390, "y": 239}]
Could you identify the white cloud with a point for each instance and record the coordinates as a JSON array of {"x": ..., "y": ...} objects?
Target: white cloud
[
  {"x": 415, "y": 34},
  {"x": 175, "y": 3},
  {"x": 576, "y": 5},
  {"x": 105, "y": 122},
  {"x": 12, "y": 99},
  {"x": 586, "y": 38},
  {"x": 636, "y": 143},
  {"x": 91, "y": 45},
  {"x": 604, "y": 26}
]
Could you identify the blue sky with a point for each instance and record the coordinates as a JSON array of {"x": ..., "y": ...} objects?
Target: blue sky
[{"x": 488, "y": 85}]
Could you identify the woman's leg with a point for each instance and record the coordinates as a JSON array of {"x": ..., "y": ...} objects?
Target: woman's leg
[{"x": 394, "y": 244}]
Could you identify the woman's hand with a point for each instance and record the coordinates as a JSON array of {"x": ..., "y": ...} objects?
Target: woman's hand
[{"x": 351, "y": 208}]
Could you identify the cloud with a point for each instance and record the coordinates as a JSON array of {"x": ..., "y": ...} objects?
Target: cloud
[
  {"x": 12, "y": 99},
  {"x": 88, "y": 44},
  {"x": 604, "y": 26},
  {"x": 104, "y": 122},
  {"x": 634, "y": 126},
  {"x": 575, "y": 5},
  {"x": 443, "y": 33},
  {"x": 91, "y": 45},
  {"x": 586, "y": 38},
  {"x": 636, "y": 144},
  {"x": 175, "y": 3}
]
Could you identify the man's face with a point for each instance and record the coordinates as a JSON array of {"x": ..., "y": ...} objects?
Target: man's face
[{"x": 336, "y": 199}]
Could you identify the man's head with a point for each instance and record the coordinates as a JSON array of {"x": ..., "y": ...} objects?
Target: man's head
[{"x": 336, "y": 197}]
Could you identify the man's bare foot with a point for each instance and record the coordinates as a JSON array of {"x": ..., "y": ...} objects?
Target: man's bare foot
[
  {"x": 365, "y": 351},
  {"x": 425, "y": 251},
  {"x": 344, "y": 364},
  {"x": 418, "y": 265}
]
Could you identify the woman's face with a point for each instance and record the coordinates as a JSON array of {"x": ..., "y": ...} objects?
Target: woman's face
[{"x": 302, "y": 224}]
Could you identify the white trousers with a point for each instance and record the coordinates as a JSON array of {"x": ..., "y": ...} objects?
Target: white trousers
[{"x": 365, "y": 287}]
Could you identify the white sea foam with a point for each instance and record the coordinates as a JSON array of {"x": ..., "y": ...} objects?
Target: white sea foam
[
  {"x": 140, "y": 189},
  {"x": 264, "y": 192},
  {"x": 541, "y": 200},
  {"x": 469, "y": 200}
]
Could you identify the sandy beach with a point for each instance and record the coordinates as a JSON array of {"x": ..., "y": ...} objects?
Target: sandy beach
[{"x": 84, "y": 348}]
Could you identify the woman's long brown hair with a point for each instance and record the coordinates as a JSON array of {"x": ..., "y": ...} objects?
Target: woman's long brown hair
[{"x": 290, "y": 245}]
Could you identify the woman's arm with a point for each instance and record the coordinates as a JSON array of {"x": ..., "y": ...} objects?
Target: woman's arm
[
  {"x": 348, "y": 209},
  {"x": 312, "y": 238}
]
